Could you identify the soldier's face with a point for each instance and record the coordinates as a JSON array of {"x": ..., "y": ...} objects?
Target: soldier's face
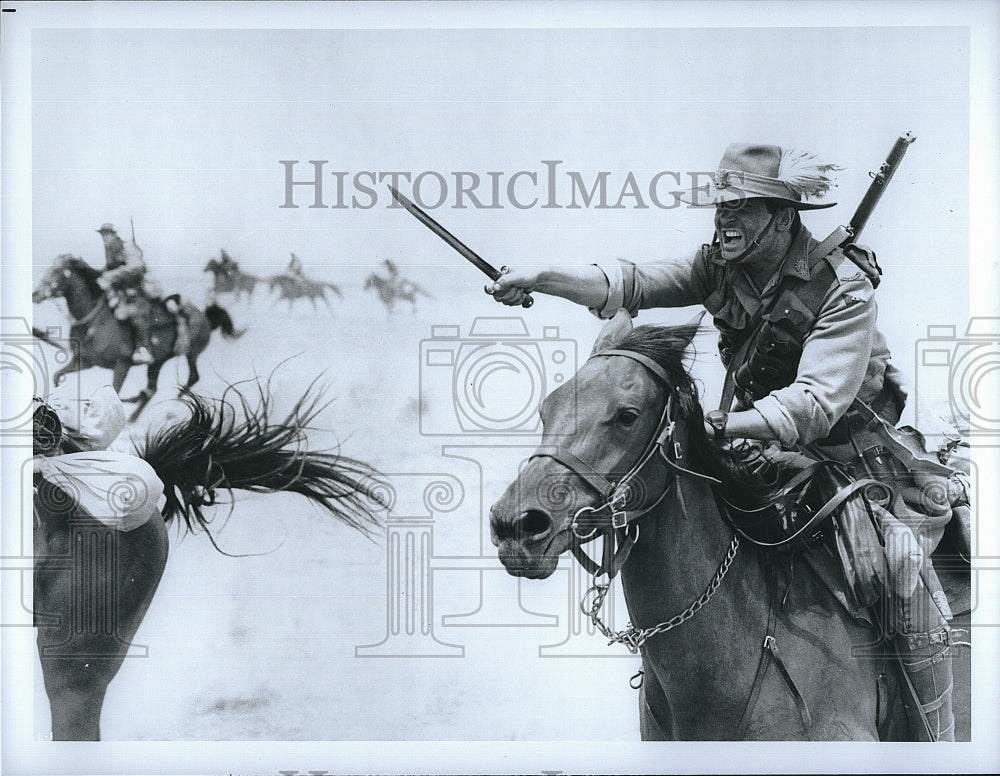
[{"x": 737, "y": 224}]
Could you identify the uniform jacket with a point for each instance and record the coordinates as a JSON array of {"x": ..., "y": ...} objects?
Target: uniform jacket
[
  {"x": 124, "y": 264},
  {"x": 844, "y": 356}
]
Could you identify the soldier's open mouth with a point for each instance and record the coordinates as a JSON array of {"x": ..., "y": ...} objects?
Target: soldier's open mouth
[{"x": 731, "y": 238}]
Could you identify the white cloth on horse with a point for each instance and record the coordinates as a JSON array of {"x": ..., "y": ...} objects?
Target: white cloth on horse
[
  {"x": 119, "y": 490},
  {"x": 91, "y": 423}
]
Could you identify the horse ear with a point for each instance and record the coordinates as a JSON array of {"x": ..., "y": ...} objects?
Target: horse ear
[
  {"x": 690, "y": 329},
  {"x": 614, "y": 331}
]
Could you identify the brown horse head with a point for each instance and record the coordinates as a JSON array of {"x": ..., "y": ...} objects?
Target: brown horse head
[{"x": 600, "y": 422}]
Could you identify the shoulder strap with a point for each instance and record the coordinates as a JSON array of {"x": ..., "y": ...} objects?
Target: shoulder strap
[{"x": 820, "y": 251}]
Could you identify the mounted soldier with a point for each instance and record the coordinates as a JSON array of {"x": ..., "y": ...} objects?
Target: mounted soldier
[
  {"x": 228, "y": 266},
  {"x": 130, "y": 292},
  {"x": 294, "y": 272},
  {"x": 808, "y": 371}
]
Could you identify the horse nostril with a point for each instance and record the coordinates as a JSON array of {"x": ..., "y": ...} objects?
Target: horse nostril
[{"x": 533, "y": 522}]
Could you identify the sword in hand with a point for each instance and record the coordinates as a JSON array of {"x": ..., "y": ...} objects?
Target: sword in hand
[{"x": 470, "y": 255}]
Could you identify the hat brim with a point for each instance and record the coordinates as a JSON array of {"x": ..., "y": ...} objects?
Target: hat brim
[{"x": 710, "y": 196}]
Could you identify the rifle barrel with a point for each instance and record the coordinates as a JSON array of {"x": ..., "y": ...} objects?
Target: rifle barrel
[{"x": 880, "y": 180}]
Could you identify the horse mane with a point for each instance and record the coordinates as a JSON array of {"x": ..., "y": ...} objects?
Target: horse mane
[
  {"x": 88, "y": 273},
  {"x": 666, "y": 346}
]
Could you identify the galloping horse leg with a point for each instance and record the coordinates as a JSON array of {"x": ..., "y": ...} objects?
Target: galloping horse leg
[
  {"x": 146, "y": 394},
  {"x": 119, "y": 373},
  {"x": 74, "y": 365}
]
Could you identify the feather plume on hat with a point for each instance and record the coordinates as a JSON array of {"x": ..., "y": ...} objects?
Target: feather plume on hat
[{"x": 805, "y": 174}]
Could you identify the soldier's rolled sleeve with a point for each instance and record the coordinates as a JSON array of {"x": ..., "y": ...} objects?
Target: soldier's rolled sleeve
[
  {"x": 669, "y": 283},
  {"x": 834, "y": 361}
]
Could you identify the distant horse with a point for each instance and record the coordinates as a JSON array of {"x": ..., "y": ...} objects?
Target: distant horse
[
  {"x": 236, "y": 282},
  {"x": 392, "y": 289},
  {"x": 710, "y": 612},
  {"x": 93, "y": 584},
  {"x": 102, "y": 340},
  {"x": 292, "y": 288}
]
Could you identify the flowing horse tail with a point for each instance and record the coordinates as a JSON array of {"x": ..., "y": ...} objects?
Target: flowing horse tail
[
  {"x": 218, "y": 318},
  {"x": 216, "y": 449}
]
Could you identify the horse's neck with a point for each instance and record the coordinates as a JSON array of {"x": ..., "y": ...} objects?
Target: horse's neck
[
  {"x": 679, "y": 551},
  {"x": 79, "y": 298}
]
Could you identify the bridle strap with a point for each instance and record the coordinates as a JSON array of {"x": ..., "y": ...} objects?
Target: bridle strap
[
  {"x": 646, "y": 361},
  {"x": 579, "y": 467},
  {"x": 611, "y": 519}
]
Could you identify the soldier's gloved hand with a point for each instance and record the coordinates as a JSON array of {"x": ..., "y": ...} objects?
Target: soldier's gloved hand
[
  {"x": 513, "y": 286},
  {"x": 104, "y": 282}
]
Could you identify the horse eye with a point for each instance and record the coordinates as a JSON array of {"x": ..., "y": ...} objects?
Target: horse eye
[{"x": 627, "y": 417}]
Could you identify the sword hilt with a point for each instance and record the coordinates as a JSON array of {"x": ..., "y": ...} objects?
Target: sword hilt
[
  {"x": 528, "y": 299},
  {"x": 525, "y": 303}
]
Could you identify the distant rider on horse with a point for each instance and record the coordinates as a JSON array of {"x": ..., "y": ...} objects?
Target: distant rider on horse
[
  {"x": 811, "y": 370},
  {"x": 228, "y": 266},
  {"x": 130, "y": 291}
]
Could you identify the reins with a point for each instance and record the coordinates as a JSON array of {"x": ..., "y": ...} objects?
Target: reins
[
  {"x": 616, "y": 521},
  {"x": 616, "y": 518},
  {"x": 102, "y": 301}
]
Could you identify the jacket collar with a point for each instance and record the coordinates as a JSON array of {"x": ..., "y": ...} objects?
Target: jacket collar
[
  {"x": 794, "y": 264},
  {"x": 796, "y": 261}
]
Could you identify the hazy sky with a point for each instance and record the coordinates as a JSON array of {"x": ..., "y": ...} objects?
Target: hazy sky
[{"x": 183, "y": 130}]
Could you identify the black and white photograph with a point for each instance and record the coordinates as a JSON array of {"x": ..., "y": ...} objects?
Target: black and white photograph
[{"x": 530, "y": 387}]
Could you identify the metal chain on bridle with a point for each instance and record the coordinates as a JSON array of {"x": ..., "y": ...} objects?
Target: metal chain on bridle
[
  {"x": 617, "y": 530},
  {"x": 633, "y": 637}
]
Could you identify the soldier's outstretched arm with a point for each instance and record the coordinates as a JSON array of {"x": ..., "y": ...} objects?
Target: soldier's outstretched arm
[{"x": 585, "y": 285}]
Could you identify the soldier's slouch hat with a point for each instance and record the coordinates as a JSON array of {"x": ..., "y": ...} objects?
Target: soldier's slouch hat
[{"x": 752, "y": 171}]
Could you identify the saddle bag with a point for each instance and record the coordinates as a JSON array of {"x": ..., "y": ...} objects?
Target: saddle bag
[
  {"x": 822, "y": 501},
  {"x": 857, "y": 536}
]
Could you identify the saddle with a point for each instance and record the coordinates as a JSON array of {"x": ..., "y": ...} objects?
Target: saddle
[
  {"x": 825, "y": 512},
  {"x": 161, "y": 314},
  {"x": 821, "y": 503}
]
